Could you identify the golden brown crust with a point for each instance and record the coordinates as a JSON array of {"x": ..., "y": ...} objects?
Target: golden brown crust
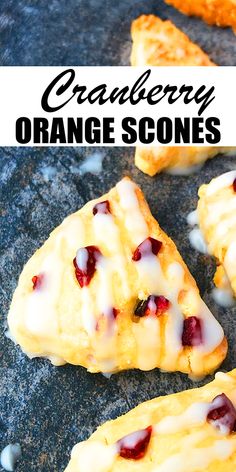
[
  {"x": 160, "y": 43},
  {"x": 214, "y": 12}
]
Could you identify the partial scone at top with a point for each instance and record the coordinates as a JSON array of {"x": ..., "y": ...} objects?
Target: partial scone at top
[
  {"x": 109, "y": 291},
  {"x": 214, "y": 12},
  {"x": 160, "y": 43},
  {"x": 217, "y": 220},
  {"x": 191, "y": 431}
]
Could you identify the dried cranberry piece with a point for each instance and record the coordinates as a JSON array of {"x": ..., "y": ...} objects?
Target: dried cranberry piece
[
  {"x": 234, "y": 185},
  {"x": 223, "y": 414},
  {"x": 134, "y": 445},
  {"x": 37, "y": 281},
  {"x": 192, "y": 332},
  {"x": 115, "y": 312},
  {"x": 85, "y": 264},
  {"x": 102, "y": 207},
  {"x": 148, "y": 246},
  {"x": 154, "y": 305}
]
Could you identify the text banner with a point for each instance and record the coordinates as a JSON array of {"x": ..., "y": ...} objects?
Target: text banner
[{"x": 117, "y": 106}]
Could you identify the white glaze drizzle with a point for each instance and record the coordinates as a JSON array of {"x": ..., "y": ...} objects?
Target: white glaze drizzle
[
  {"x": 82, "y": 258},
  {"x": 107, "y": 375},
  {"x": 92, "y": 164},
  {"x": 9, "y": 456},
  {"x": 41, "y": 313},
  {"x": 10, "y": 336},
  {"x": 223, "y": 297},
  {"x": 105, "y": 229},
  {"x": 195, "y": 236},
  {"x": 197, "y": 459},
  {"x": 86, "y": 454},
  {"x": 106, "y": 345},
  {"x": 94, "y": 455},
  {"x": 132, "y": 439},
  {"x": 87, "y": 311},
  {"x": 224, "y": 180},
  {"x": 223, "y": 377},
  {"x": 134, "y": 220},
  {"x": 197, "y": 241},
  {"x": 192, "y": 218},
  {"x": 219, "y": 210},
  {"x": 147, "y": 335},
  {"x": 195, "y": 415}
]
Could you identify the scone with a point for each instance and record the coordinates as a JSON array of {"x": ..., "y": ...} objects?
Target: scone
[
  {"x": 191, "y": 431},
  {"x": 109, "y": 291},
  {"x": 217, "y": 220},
  {"x": 160, "y": 43},
  {"x": 214, "y": 12}
]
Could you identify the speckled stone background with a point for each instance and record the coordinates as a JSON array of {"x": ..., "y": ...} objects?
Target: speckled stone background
[{"x": 47, "y": 409}]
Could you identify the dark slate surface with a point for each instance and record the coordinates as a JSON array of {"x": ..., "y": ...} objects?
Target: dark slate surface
[{"x": 48, "y": 409}]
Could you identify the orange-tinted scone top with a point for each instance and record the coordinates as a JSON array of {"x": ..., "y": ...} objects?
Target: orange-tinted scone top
[
  {"x": 214, "y": 12},
  {"x": 191, "y": 431},
  {"x": 160, "y": 43},
  {"x": 109, "y": 291}
]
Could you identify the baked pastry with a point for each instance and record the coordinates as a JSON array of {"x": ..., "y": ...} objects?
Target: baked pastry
[
  {"x": 176, "y": 160},
  {"x": 214, "y": 12},
  {"x": 160, "y": 43},
  {"x": 217, "y": 221},
  {"x": 191, "y": 431},
  {"x": 109, "y": 291}
]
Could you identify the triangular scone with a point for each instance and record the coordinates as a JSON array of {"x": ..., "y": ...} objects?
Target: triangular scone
[
  {"x": 217, "y": 220},
  {"x": 190, "y": 431},
  {"x": 214, "y": 12},
  {"x": 160, "y": 43},
  {"x": 109, "y": 291}
]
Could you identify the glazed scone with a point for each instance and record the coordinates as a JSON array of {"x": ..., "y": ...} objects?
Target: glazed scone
[
  {"x": 160, "y": 43},
  {"x": 214, "y": 12},
  {"x": 109, "y": 291},
  {"x": 217, "y": 220},
  {"x": 191, "y": 431}
]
